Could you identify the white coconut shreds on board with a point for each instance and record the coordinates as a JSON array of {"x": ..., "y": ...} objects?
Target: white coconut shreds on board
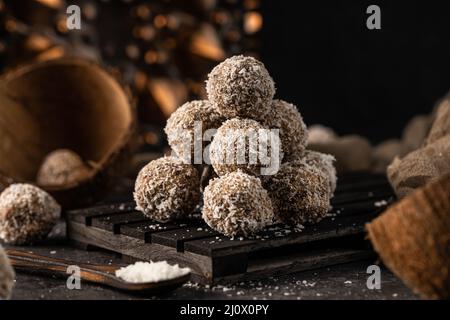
[{"x": 144, "y": 272}]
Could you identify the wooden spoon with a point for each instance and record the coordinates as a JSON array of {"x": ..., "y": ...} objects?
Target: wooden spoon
[{"x": 101, "y": 274}]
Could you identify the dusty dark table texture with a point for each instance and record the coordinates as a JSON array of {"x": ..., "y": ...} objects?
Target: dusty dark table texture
[{"x": 347, "y": 281}]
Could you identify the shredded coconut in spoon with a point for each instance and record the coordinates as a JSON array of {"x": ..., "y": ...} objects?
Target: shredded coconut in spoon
[{"x": 144, "y": 272}]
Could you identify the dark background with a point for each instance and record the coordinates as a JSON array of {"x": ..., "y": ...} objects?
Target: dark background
[
  {"x": 357, "y": 80},
  {"x": 320, "y": 53}
]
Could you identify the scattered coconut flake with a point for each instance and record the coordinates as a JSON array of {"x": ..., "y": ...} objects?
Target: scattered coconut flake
[{"x": 381, "y": 203}]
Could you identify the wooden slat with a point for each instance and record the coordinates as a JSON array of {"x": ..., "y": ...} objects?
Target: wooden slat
[
  {"x": 277, "y": 236},
  {"x": 85, "y": 215},
  {"x": 360, "y": 177},
  {"x": 112, "y": 222},
  {"x": 367, "y": 183},
  {"x": 358, "y": 196},
  {"x": 144, "y": 230},
  {"x": 177, "y": 238},
  {"x": 357, "y": 208},
  {"x": 302, "y": 261}
]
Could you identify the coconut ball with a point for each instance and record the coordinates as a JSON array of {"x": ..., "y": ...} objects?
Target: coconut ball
[
  {"x": 186, "y": 126},
  {"x": 6, "y": 276},
  {"x": 352, "y": 152},
  {"x": 167, "y": 189},
  {"x": 237, "y": 204},
  {"x": 323, "y": 162},
  {"x": 61, "y": 167},
  {"x": 238, "y": 145},
  {"x": 241, "y": 87},
  {"x": 293, "y": 132},
  {"x": 318, "y": 134},
  {"x": 27, "y": 214},
  {"x": 300, "y": 193}
]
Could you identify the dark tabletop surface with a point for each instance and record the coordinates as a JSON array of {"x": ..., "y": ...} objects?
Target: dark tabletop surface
[{"x": 347, "y": 281}]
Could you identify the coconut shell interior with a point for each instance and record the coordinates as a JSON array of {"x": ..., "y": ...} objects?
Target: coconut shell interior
[
  {"x": 71, "y": 104},
  {"x": 413, "y": 239}
]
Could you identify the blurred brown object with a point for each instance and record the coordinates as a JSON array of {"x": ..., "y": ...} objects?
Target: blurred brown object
[
  {"x": 169, "y": 94},
  {"x": 413, "y": 137},
  {"x": 35, "y": 30},
  {"x": 413, "y": 239},
  {"x": 163, "y": 49},
  {"x": 385, "y": 152},
  {"x": 36, "y": 12},
  {"x": 419, "y": 167},
  {"x": 318, "y": 134},
  {"x": 68, "y": 103},
  {"x": 431, "y": 159},
  {"x": 171, "y": 46},
  {"x": 419, "y": 131},
  {"x": 352, "y": 152},
  {"x": 61, "y": 167},
  {"x": 415, "y": 132},
  {"x": 441, "y": 123},
  {"x": 206, "y": 43}
]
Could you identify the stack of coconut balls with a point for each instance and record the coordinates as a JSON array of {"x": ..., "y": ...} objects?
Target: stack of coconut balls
[{"x": 240, "y": 199}]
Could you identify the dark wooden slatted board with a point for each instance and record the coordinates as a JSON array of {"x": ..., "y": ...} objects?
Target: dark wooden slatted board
[{"x": 215, "y": 258}]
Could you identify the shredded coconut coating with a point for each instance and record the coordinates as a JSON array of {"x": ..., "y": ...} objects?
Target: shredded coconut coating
[
  {"x": 61, "y": 167},
  {"x": 323, "y": 162},
  {"x": 27, "y": 214},
  {"x": 241, "y": 87},
  {"x": 167, "y": 189},
  {"x": 230, "y": 142},
  {"x": 300, "y": 193},
  {"x": 237, "y": 204},
  {"x": 181, "y": 130},
  {"x": 293, "y": 131},
  {"x": 7, "y": 276}
]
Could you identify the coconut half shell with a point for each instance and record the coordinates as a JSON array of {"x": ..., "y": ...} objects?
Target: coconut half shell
[
  {"x": 65, "y": 104},
  {"x": 413, "y": 239}
]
